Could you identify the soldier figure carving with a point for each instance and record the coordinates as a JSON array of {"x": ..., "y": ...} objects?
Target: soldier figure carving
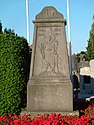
[{"x": 49, "y": 53}]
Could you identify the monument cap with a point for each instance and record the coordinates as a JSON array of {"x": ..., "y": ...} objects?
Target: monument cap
[{"x": 49, "y": 14}]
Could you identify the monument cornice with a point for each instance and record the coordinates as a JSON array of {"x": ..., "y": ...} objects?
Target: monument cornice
[{"x": 49, "y": 21}]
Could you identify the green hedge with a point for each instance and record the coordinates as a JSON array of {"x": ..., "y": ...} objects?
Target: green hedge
[{"x": 14, "y": 65}]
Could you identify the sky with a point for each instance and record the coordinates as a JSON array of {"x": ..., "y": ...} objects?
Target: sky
[{"x": 13, "y": 16}]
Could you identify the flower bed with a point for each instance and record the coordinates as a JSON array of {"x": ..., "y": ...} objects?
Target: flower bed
[
  {"x": 52, "y": 119},
  {"x": 86, "y": 117}
]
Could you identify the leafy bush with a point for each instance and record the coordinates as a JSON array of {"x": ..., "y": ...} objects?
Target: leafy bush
[{"x": 14, "y": 65}]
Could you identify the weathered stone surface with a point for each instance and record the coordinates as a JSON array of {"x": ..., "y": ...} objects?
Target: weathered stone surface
[
  {"x": 49, "y": 13},
  {"x": 49, "y": 87},
  {"x": 87, "y": 88},
  {"x": 50, "y": 97},
  {"x": 32, "y": 114}
]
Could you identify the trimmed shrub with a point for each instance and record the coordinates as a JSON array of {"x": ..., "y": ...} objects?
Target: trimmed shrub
[{"x": 14, "y": 65}]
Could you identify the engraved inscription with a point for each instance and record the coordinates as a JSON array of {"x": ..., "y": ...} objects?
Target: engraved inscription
[
  {"x": 57, "y": 29},
  {"x": 49, "y": 13},
  {"x": 42, "y": 30}
]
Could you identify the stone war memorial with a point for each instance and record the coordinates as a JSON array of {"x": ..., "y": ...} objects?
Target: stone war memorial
[{"x": 49, "y": 88}]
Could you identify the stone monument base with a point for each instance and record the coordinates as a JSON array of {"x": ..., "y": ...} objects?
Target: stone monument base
[
  {"x": 32, "y": 114},
  {"x": 52, "y": 96}
]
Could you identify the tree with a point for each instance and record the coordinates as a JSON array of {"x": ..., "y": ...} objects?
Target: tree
[
  {"x": 0, "y": 27},
  {"x": 90, "y": 47},
  {"x": 14, "y": 71},
  {"x": 9, "y": 31}
]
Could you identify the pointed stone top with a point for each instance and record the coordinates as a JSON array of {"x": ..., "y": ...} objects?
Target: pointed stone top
[{"x": 49, "y": 12}]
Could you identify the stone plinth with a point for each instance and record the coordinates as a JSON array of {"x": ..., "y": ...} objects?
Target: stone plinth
[
  {"x": 53, "y": 95},
  {"x": 49, "y": 88}
]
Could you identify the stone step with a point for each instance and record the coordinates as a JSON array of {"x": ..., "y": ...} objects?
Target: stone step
[{"x": 32, "y": 114}]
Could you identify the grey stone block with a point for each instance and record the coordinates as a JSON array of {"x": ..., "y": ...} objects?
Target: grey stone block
[{"x": 56, "y": 97}]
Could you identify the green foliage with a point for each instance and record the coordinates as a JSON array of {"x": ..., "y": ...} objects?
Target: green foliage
[
  {"x": 14, "y": 65},
  {"x": 78, "y": 57},
  {"x": 82, "y": 52},
  {"x": 0, "y": 27},
  {"x": 9, "y": 31},
  {"x": 90, "y": 47}
]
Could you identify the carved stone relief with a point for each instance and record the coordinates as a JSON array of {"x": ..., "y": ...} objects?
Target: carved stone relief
[{"x": 48, "y": 50}]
